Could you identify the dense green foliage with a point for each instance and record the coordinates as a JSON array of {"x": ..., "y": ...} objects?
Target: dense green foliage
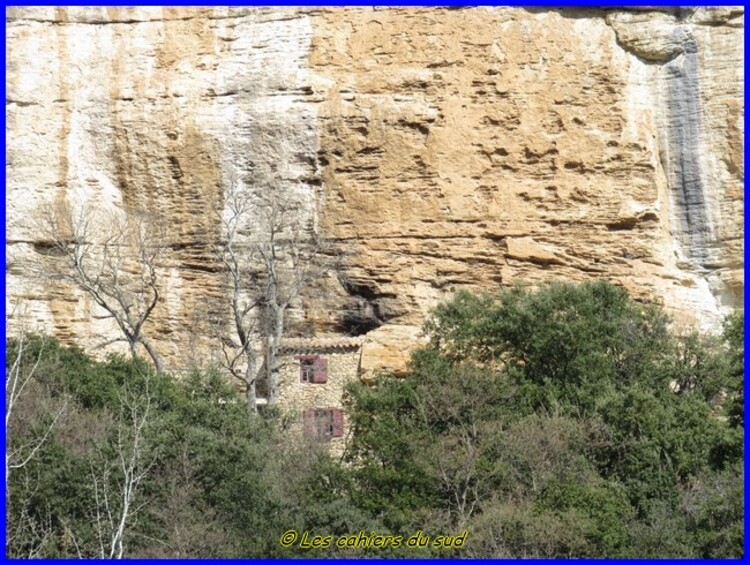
[
  {"x": 564, "y": 422},
  {"x": 216, "y": 484}
]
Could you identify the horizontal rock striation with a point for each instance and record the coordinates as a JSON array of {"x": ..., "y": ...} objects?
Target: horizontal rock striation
[{"x": 435, "y": 148}]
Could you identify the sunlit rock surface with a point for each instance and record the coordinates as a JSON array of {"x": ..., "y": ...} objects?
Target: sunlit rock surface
[{"x": 437, "y": 148}]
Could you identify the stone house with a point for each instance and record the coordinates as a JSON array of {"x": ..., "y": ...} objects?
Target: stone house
[{"x": 314, "y": 372}]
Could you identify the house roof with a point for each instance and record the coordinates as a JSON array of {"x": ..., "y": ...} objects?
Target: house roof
[{"x": 321, "y": 343}]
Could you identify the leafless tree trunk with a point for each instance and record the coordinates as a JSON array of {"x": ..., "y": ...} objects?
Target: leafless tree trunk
[
  {"x": 269, "y": 258},
  {"x": 192, "y": 528},
  {"x": 115, "y": 260},
  {"x": 15, "y": 383},
  {"x": 117, "y": 482},
  {"x": 287, "y": 254},
  {"x": 455, "y": 459},
  {"x": 18, "y": 454},
  {"x": 457, "y": 472},
  {"x": 238, "y": 260}
]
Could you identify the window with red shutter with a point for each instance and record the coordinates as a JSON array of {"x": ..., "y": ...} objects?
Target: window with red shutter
[
  {"x": 338, "y": 422},
  {"x": 321, "y": 424},
  {"x": 325, "y": 424},
  {"x": 309, "y": 422},
  {"x": 306, "y": 368},
  {"x": 320, "y": 370}
]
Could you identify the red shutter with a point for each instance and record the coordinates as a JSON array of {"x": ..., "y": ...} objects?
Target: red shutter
[
  {"x": 309, "y": 423},
  {"x": 338, "y": 422},
  {"x": 320, "y": 370}
]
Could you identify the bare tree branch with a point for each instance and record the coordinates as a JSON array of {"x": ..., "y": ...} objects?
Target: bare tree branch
[
  {"x": 269, "y": 253},
  {"x": 114, "y": 259},
  {"x": 17, "y": 394},
  {"x": 116, "y": 483}
]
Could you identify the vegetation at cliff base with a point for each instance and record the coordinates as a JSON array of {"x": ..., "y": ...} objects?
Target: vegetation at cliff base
[
  {"x": 563, "y": 422},
  {"x": 566, "y": 421}
]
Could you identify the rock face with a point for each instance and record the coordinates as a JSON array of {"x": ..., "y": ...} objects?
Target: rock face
[{"x": 438, "y": 148}]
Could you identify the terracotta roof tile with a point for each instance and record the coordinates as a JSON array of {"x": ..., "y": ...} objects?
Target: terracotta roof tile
[{"x": 322, "y": 342}]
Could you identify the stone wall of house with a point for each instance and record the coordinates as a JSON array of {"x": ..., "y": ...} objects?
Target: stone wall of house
[{"x": 296, "y": 396}]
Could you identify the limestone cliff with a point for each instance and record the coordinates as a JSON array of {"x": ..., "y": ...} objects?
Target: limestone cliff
[{"x": 439, "y": 148}]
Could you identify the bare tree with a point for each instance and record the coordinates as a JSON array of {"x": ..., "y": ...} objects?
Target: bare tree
[
  {"x": 116, "y": 479},
  {"x": 18, "y": 376},
  {"x": 238, "y": 258},
  {"x": 28, "y": 534},
  {"x": 115, "y": 260},
  {"x": 269, "y": 252},
  {"x": 26, "y": 400},
  {"x": 16, "y": 380},
  {"x": 192, "y": 527},
  {"x": 288, "y": 254}
]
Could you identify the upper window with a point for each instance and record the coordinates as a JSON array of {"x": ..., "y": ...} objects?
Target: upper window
[
  {"x": 312, "y": 369},
  {"x": 307, "y": 371}
]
